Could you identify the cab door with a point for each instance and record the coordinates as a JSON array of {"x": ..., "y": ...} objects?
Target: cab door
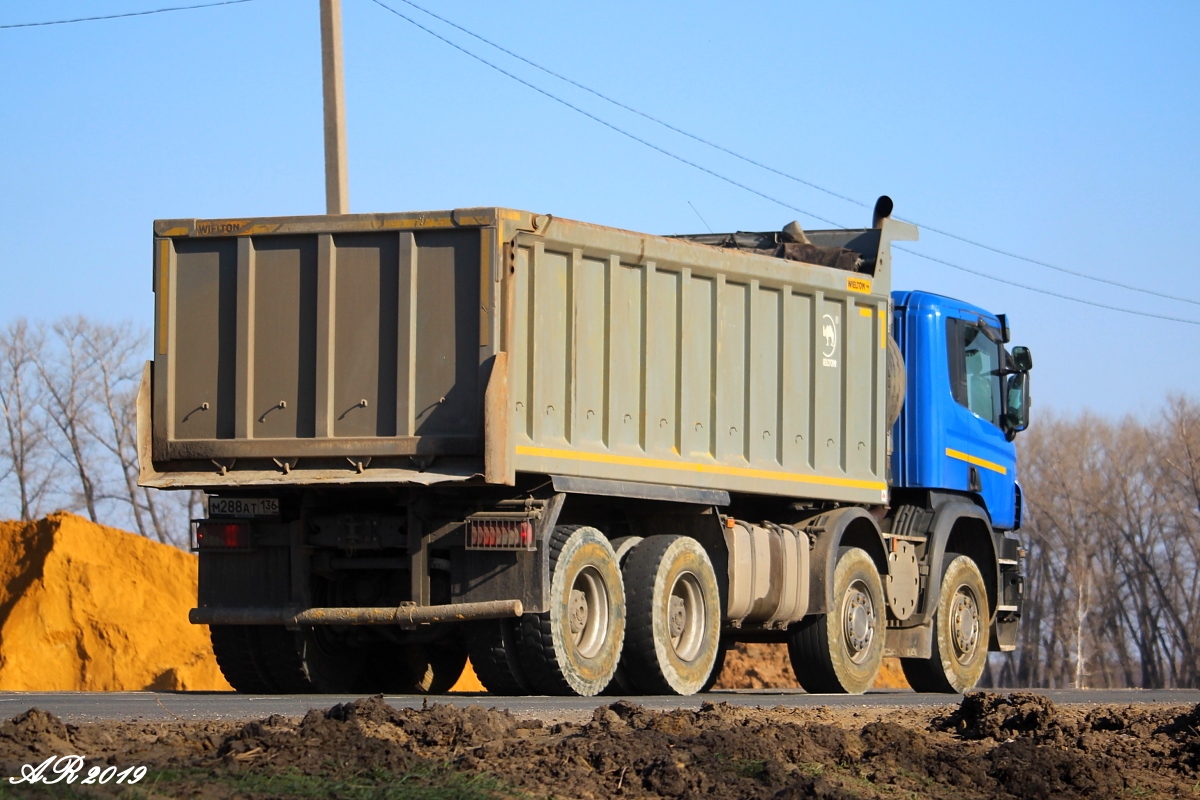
[{"x": 978, "y": 456}]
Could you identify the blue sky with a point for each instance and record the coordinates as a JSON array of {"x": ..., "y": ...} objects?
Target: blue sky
[{"x": 1064, "y": 132}]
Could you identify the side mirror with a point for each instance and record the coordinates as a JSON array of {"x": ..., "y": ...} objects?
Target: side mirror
[
  {"x": 1016, "y": 403},
  {"x": 1022, "y": 359}
]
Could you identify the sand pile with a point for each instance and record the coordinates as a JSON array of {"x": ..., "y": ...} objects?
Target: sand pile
[
  {"x": 766, "y": 666},
  {"x": 84, "y": 607}
]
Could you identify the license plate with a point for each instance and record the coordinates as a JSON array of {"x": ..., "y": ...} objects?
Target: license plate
[{"x": 243, "y": 507}]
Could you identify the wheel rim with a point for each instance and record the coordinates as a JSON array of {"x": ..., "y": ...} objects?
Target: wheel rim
[
  {"x": 686, "y": 617},
  {"x": 964, "y": 622},
  {"x": 858, "y": 621},
  {"x": 587, "y": 612}
]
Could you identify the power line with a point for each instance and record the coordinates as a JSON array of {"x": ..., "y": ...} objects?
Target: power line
[
  {"x": 781, "y": 173},
  {"x": 120, "y": 16},
  {"x": 744, "y": 187},
  {"x": 603, "y": 122},
  {"x": 980, "y": 274}
]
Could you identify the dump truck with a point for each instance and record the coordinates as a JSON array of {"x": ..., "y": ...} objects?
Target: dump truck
[{"x": 587, "y": 459}]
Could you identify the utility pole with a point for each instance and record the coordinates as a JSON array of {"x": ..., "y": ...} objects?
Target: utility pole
[{"x": 337, "y": 178}]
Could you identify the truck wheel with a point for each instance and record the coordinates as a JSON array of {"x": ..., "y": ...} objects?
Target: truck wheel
[
  {"x": 238, "y": 659},
  {"x": 492, "y": 645},
  {"x": 674, "y": 616},
  {"x": 424, "y": 668},
  {"x": 717, "y": 668},
  {"x": 620, "y": 684},
  {"x": 307, "y": 661},
  {"x": 960, "y": 634},
  {"x": 841, "y": 652},
  {"x": 574, "y": 648}
]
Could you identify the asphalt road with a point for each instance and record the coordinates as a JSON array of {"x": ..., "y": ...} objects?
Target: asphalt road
[{"x": 165, "y": 706}]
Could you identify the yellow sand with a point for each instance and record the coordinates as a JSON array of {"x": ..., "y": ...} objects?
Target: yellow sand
[{"x": 84, "y": 607}]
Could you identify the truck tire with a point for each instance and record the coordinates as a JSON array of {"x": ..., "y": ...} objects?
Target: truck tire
[
  {"x": 238, "y": 659},
  {"x": 422, "y": 668},
  {"x": 673, "y": 613},
  {"x": 307, "y": 661},
  {"x": 575, "y": 646},
  {"x": 492, "y": 646},
  {"x": 896, "y": 382},
  {"x": 717, "y": 668},
  {"x": 620, "y": 685},
  {"x": 841, "y": 652},
  {"x": 960, "y": 634}
]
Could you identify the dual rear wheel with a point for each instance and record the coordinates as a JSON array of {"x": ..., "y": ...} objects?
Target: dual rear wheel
[
  {"x": 643, "y": 617},
  {"x": 274, "y": 660}
]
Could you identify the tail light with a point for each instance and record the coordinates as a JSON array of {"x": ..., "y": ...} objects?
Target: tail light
[
  {"x": 223, "y": 536},
  {"x": 499, "y": 534}
]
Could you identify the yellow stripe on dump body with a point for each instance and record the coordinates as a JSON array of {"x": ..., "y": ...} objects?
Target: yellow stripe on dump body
[
  {"x": 690, "y": 466},
  {"x": 979, "y": 462}
]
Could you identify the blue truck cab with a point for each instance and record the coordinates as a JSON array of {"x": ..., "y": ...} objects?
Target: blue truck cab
[
  {"x": 954, "y": 460},
  {"x": 966, "y": 401}
]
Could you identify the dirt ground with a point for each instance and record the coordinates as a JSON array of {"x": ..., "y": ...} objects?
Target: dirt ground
[{"x": 989, "y": 745}]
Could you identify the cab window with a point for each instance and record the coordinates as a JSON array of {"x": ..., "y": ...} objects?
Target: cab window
[{"x": 974, "y": 369}]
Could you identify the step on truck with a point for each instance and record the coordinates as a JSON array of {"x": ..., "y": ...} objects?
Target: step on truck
[{"x": 586, "y": 459}]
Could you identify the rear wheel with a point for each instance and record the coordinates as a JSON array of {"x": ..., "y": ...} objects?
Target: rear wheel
[
  {"x": 239, "y": 660},
  {"x": 620, "y": 684},
  {"x": 717, "y": 668},
  {"x": 841, "y": 652},
  {"x": 422, "y": 668},
  {"x": 492, "y": 644},
  {"x": 273, "y": 660},
  {"x": 674, "y": 616},
  {"x": 960, "y": 634},
  {"x": 575, "y": 646}
]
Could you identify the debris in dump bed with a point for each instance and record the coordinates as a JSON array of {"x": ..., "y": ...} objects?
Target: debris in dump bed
[
  {"x": 84, "y": 607},
  {"x": 718, "y": 751}
]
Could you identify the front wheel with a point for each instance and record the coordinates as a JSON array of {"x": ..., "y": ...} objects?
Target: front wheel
[
  {"x": 960, "y": 634},
  {"x": 841, "y": 652}
]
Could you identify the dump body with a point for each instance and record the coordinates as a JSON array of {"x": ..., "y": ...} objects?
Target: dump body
[{"x": 473, "y": 345}]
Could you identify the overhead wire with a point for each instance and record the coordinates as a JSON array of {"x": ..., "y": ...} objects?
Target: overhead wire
[
  {"x": 121, "y": 16},
  {"x": 1039, "y": 290},
  {"x": 600, "y": 120},
  {"x": 729, "y": 180},
  {"x": 781, "y": 173},
  {"x": 687, "y": 162}
]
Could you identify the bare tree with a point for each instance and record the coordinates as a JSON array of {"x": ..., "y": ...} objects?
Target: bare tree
[
  {"x": 25, "y": 442},
  {"x": 113, "y": 351},
  {"x": 1113, "y": 532}
]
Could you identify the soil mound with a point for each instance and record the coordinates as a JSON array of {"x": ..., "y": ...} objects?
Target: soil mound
[
  {"x": 367, "y": 748},
  {"x": 84, "y": 607}
]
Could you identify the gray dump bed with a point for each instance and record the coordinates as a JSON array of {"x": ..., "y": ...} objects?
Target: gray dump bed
[{"x": 476, "y": 344}]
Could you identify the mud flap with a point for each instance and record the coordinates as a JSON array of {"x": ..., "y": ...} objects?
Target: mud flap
[{"x": 909, "y": 642}]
